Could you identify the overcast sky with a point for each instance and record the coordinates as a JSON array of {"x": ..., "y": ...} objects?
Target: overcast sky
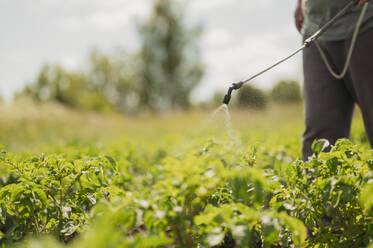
[{"x": 240, "y": 37}]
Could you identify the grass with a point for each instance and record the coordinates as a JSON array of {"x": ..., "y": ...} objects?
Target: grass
[{"x": 37, "y": 127}]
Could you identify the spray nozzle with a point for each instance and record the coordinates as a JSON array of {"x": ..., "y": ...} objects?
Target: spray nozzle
[{"x": 235, "y": 86}]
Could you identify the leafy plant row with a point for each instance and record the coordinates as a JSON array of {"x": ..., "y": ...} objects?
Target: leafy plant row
[{"x": 215, "y": 196}]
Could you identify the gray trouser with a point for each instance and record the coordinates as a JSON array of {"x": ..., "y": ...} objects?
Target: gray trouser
[{"x": 329, "y": 102}]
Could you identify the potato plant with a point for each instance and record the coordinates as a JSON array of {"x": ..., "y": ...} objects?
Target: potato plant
[
  {"x": 326, "y": 194},
  {"x": 213, "y": 194},
  {"x": 50, "y": 194}
]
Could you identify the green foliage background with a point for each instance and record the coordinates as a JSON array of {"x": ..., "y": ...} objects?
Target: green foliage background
[
  {"x": 286, "y": 92},
  {"x": 89, "y": 180},
  {"x": 160, "y": 76},
  {"x": 170, "y": 61},
  {"x": 250, "y": 96}
]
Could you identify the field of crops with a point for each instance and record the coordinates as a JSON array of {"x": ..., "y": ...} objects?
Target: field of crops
[{"x": 72, "y": 179}]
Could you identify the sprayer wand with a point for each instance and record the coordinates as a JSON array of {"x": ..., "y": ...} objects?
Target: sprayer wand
[{"x": 307, "y": 43}]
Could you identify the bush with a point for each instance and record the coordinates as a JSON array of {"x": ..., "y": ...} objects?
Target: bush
[
  {"x": 250, "y": 96},
  {"x": 108, "y": 84},
  {"x": 217, "y": 99},
  {"x": 72, "y": 89},
  {"x": 286, "y": 92}
]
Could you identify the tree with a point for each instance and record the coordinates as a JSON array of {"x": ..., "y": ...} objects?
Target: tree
[
  {"x": 54, "y": 83},
  {"x": 250, "y": 96},
  {"x": 286, "y": 92},
  {"x": 170, "y": 62},
  {"x": 217, "y": 99},
  {"x": 114, "y": 77},
  {"x": 107, "y": 84}
]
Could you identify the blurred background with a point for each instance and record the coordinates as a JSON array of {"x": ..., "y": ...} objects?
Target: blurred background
[
  {"x": 146, "y": 55},
  {"x": 83, "y": 72}
]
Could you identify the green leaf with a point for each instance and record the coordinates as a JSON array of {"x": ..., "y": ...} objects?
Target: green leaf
[
  {"x": 296, "y": 227},
  {"x": 16, "y": 191},
  {"x": 215, "y": 239},
  {"x": 152, "y": 241},
  {"x": 366, "y": 197},
  {"x": 69, "y": 229},
  {"x": 41, "y": 195},
  {"x": 66, "y": 210},
  {"x": 111, "y": 160},
  {"x": 91, "y": 198},
  {"x": 319, "y": 146}
]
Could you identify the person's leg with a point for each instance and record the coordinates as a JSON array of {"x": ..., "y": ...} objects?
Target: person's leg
[
  {"x": 328, "y": 103},
  {"x": 361, "y": 73}
]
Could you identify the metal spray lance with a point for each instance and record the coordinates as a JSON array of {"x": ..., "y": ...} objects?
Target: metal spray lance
[{"x": 307, "y": 43}]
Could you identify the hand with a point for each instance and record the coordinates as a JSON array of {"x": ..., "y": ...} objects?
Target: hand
[
  {"x": 362, "y": 2},
  {"x": 299, "y": 17}
]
